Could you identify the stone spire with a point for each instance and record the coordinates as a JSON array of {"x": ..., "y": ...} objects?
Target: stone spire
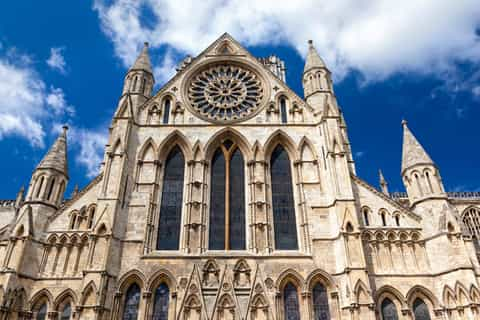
[
  {"x": 412, "y": 151},
  {"x": 143, "y": 61},
  {"x": 383, "y": 183},
  {"x": 56, "y": 157},
  {"x": 313, "y": 59}
]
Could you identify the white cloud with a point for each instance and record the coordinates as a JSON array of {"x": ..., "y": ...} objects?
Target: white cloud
[
  {"x": 56, "y": 60},
  {"x": 166, "y": 70},
  {"x": 26, "y": 104},
  {"x": 476, "y": 91},
  {"x": 91, "y": 145},
  {"x": 359, "y": 154},
  {"x": 378, "y": 38}
]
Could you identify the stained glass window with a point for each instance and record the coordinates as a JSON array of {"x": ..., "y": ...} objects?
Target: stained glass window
[
  {"x": 67, "y": 312},
  {"x": 237, "y": 202},
  {"x": 166, "y": 111},
  {"x": 290, "y": 302},
  {"x": 172, "y": 200},
  {"x": 160, "y": 306},
  {"x": 227, "y": 199},
  {"x": 132, "y": 301},
  {"x": 420, "y": 310},
  {"x": 42, "y": 312},
  {"x": 282, "y": 201},
  {"x": 389, "y": 311},
  {"x": 217, "y": 202},
  {"x": 321, "y": 310},
  {"x": 283, "y": 110}
]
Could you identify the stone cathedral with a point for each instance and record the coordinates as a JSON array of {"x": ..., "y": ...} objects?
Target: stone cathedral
[{"x": 225, "y": 195}]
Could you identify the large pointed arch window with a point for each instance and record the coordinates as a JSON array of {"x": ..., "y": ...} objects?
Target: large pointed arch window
[
  {"x": 321, "y": 310},
  {"x": 132, "y": 301},
  {"x": 389, "y": 311},
  {"x": 291, "y": 305},
  {"x": 172, "y": 200},
  {"x": 284, "y": 222},
  {"x": 160, "y": 306},
  {"x": 420, "y": 310},
  {"x": 227, "y": 199}
]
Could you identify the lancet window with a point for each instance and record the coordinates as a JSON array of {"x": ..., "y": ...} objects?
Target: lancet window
[
  {"x": 285, "y": 225},
  {"x": 291, "y": 305},
  {"x": 420, "y": 310},
  {"x": 471, "y": 219},
  {"x": 321, "y": 309},
  {"x": 172, "y": 200},
  {"x": 132, "y": 302},
  {"x": 227, "y": 199},
  {"x": 160, "y": 306},
  {"x": 42, "y": 312},
  {"x": 66, "y": 312},
  {"x": 389, "y": 310}
]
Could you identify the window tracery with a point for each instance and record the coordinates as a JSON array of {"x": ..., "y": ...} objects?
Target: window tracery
[
  {"x": 291, "y": 303},
  {"x": 471, "y": 219}
]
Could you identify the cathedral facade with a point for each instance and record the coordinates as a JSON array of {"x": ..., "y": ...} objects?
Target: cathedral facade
[{"x": 225, "y": 195}]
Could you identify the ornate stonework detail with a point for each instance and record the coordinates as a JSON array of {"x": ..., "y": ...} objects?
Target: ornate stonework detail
[{"x": 225, "y": 92}]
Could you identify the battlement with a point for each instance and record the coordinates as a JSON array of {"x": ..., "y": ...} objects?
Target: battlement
[{"x": 7, "y": 203}]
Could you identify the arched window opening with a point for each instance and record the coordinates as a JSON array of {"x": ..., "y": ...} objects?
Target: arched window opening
[
  {"x": 91, "y": 217},
  {"x": 160, "y": 305},
  {"x": 420, "y": 310},
  {"x": 144, "y": 85},
  {"x": 471, "y": 219},
  {"x": 419, "y": 186},
  {"x": 429, "y": 181},
  {"x": 42, "y": 312},
  {"x": 397, "y": 220},
  {"x": 227, "y": 199},
  {"x": 172, "y": 200},
  {"x": 291, "y": 305},
  {"x": 365, "y": 217},
  {"x": 389, "y": 310},
  {"x": 321, "y": 310},
  {"x": 61, "y": 190},
  {"x": 284, "y": 222},
  {"x": 384, "y": 219},
  {"x": 283, "y": 109},
  {"x": 50, "y": 189},
  {"x": 40, "y": 185},
  {"x": 73, "y": 221},
  {"x": 132, "y": 301},
  {"x": 349, "y": 227},
  {"x": 134, "y": 85},
  {"x": 67, "y": 312},
  {"x": 166, "y": 110}
]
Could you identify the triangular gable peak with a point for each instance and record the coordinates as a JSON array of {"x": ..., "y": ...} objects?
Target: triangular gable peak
[{"x": 228, "y": 48}]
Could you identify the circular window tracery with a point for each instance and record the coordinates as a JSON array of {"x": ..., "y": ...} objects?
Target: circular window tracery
[{"x": 225, "y": 92}]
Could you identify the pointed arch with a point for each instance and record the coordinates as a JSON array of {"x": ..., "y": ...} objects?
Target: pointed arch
[
  {"x": 449, "y": 297},
  {"x": 175, "y": 138},
  {"x": 197, "y": 151},
  {"x": 419, "y": 291},
  {"x": 322, "y": 276},
  {"x": 280, "y": 137},
  {"x": 130, "y": 277},
  {"x": 393, "y": 294},
  {"x": 362, "y": 294},
  {"x": 474, "y": 294},
  {"x": 89, "y": 294},
  {"x": 257, "y": 151},
  {"x": 307, "y": 150},
  {"x": 228, "y": 133},
  {"x": 148, "y": 151},
  {"x": 160, "y": 276},
  {"x": 39, "y": 298},
  {"x": 290, "y": 275},
  {"x": 117, "y": 147},
  {"x": 66, "y": 296},
  {"x": 462, "y": 294}
]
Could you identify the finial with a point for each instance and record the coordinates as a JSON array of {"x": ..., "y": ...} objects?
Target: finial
[
  {"x": 65, "y": 128},
  {"x": 75, "y": 190},
  {"x": 404, "y": 122},
  {"x": 145, "y": 43}
]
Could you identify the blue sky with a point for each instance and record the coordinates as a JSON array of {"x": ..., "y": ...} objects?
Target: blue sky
[{"x": 64, "y": 62}]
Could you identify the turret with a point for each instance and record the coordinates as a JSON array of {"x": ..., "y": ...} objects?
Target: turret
[
  {"x": 420, "y": 175},
  {"x": 50, "y": 178},
  {"x": 383, "y": 183},
  {"x": 317, "y": 83},
  {"x": 139, "y": 80}
]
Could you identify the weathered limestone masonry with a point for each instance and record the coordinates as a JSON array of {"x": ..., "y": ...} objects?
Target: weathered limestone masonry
[{"x": 225, "y": 195}]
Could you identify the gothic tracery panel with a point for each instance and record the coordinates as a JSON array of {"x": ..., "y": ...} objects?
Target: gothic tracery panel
[{"x": 291, "y": 303}]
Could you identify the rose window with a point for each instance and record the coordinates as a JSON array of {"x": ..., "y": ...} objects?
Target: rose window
[{"x": 225, "y": 92}]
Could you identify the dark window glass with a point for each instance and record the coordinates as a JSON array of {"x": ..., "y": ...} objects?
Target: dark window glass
[
  {"x": 42, "y": 312},
  {"x": 283, "y": 110},
  {"x": 50, "y": 189},
  {"x": 291, "y": 305},
  {"x": 365, "y": 217},
  {"x": 321, "y": 310},
  {"x": 285, "y": 226},
  {"x": 132, "y": 301},
  {"x": 389, "y": 311},
  {"x": 166, "y": 111},
  {"x": 66, "y": 313},
  {"x": 217, "y": 202},
  {"x": 397, "y": 220},
  {"x": 420, "y": 310},
  {"x": 160, "y": 306},
  {"x": 172, "y": 200},
  {"x": 237, "y": 202}
]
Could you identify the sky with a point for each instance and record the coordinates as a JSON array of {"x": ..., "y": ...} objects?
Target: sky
[{"x": 63, "y": 62}]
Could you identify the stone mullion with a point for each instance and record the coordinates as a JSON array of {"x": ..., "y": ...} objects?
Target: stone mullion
[
  {"x": 267, "y": 196},
  {"x": 203, "y": 211},
  {"x": 411, "y": 245},
  {"x": 303, "y": 206},
  {"x": 187, "y": 227},
  {"x": 58, "y": 250},
  {"x": 68, "y": 247},
  {"x": 152, "y": 214},
  {"x": 307, "y": 305},
  {"x": 78, "y": 251},
  {"x": 46, "y": 252}
]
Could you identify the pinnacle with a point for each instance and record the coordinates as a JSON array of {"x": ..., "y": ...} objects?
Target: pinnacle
[
  {"x": 143, "y": 60},
  {"x": 412, "y": 151},
  {"x": 56, "y": 157},
  {"x": 313, "y": 59}
]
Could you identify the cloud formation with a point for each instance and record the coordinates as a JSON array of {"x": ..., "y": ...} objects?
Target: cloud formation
[
  {"x": 27, "y": 103},
  {"x": 377, "y": 38},
  {"x": 56, "y": 61}
]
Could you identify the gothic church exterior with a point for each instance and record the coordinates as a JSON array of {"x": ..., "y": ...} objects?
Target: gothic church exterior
[{"x": 225, "y": 195}]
